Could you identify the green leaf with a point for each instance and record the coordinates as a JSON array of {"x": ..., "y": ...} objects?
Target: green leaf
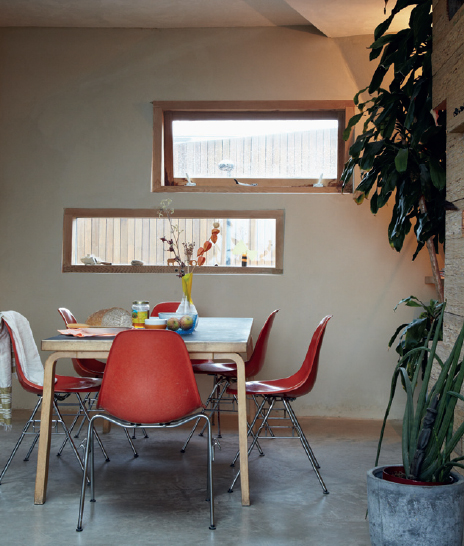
[
  {"x": 353, "y": 121},
  {"x": 401, "y": 160},
  {"x": 437, "y": 173}
]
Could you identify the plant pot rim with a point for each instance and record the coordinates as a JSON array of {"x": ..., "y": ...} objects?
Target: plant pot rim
[{"x": 377, "y": 472}]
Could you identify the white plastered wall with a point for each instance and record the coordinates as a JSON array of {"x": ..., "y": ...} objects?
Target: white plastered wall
[{"x": 76, "y": 132}]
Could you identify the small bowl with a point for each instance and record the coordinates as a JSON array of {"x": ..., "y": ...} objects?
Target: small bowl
[
  {"x": 155, "y": 323},
  {"x": 178, "y": 316}
]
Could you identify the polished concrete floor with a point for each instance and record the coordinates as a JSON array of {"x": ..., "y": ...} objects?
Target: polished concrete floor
[{"x": 159, "y": 497}]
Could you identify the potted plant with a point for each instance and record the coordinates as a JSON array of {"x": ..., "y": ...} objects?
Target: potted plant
[
  {"x": 401, "y": 150},
  {"x": 421, "y": 501}
]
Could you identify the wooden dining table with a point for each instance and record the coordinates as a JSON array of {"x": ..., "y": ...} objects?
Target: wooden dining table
[{"x": 215, "y": 338}]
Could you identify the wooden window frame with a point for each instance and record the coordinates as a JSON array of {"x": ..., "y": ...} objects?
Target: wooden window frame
[
  {"x": 71, "y": 214},
  {"x": 162, "y": 160}
]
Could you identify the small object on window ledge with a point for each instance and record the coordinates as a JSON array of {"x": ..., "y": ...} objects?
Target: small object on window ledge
[
  {"x": 137, "y": 262},
  {"x": 243, "y": 184},
  {"x": 319, "y": 183},
  {"x": 189, "y": 182},
  {"x": 89, "y": 259}
]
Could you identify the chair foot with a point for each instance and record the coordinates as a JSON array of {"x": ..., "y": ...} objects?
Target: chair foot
[
  {"x": 212, "y": 527},
  {"x": 58, "y": 455},
  {"x": 326, "y": 492},
  {"x": 93, "y": 500},
  {"x": 230, "y": 491},
  {"x": 201, "y": 434},
  {"x": 136, "y": 455},
  {"x": 182, "y": 450},
  {"x": 232, "y": 465},
  {"x": 219, "y": 436},
  {"x": 107, "y": 460},
  {"x": 78, "y": 529},
  {"x": 262, "y": 454}
]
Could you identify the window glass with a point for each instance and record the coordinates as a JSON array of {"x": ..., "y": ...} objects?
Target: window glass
[{"x": 286, "y": 148}]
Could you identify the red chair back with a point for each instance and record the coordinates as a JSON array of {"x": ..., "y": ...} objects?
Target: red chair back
[
  {"x": 256, "y": 362},
  {"x": 149, "y": 378},
  {"x": 67, "y": 316},
  {"x": 25, "y": 383},
  {"x": 307, "y": 374},
  {"x": 88, "y": 367},
  {"x": 165, "y": 307}
]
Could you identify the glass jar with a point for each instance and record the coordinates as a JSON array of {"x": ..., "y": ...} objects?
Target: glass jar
[{"x": 140, "y": 312}]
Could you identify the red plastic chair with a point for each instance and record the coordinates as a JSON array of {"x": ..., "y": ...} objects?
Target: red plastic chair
[
  {"x": 64, "y": 386},
  {"x": 89, "y": 367},
  {"x": 286, "y": 390},
  {"x": 85, "y": 367},
  {"x": 164, "y": 307},
  {"x": 162, "y": 394},
  {"x": 226, "y": 373}
]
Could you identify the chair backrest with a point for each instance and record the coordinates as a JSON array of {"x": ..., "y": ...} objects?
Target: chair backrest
[
  {"x": 25, "y": 383},
  {"x": 149, "y": 378},
  {"x": 165, "y": 307},
  {"x": 79, "y": 364},
  {"x": 67, "y": 316},
  {"x": 256, "y": 362},
  {"x": 306, "y": 375}
]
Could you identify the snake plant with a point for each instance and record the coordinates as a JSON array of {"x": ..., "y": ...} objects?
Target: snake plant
[{"x": 428, "y": 435}]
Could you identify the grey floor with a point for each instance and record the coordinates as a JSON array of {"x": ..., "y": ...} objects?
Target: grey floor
[{"x": 159, "y": 497}]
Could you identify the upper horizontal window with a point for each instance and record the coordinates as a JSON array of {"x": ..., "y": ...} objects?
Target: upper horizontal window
[
  {"x": 137, "y": 241},
  {"x": 249, "y": 147}
]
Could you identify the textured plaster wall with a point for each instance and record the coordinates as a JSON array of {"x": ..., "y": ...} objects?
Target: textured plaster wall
[{"x": 76, "y": 132}]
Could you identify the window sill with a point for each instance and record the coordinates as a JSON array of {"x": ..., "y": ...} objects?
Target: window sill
[{"x": 250, "y": 270}]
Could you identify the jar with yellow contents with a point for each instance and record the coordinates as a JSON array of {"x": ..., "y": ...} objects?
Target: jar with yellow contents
[{"x": 140, "y": 312}]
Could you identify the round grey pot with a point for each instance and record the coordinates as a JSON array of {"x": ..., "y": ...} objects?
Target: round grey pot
[{"x": 414, "y": 515}]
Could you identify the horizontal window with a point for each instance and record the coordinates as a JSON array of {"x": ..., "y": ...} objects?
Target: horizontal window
[
  {"x": 137, "y": 241},
  {"x": 286, "y": 146}
]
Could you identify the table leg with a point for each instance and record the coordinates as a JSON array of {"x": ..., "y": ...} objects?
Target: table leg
[
  {"x": 242, "y": 427},
  {"x": 45, "y": 430}
]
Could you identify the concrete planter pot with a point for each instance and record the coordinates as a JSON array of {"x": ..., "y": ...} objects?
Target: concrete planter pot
[{"x": 414, "y": 515}]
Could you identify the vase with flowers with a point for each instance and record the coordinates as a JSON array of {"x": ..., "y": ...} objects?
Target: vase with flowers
[{"x": 184, "y": 261}]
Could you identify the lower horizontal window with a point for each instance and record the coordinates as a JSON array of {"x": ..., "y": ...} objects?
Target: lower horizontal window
[{"x": 138, "y": 241}]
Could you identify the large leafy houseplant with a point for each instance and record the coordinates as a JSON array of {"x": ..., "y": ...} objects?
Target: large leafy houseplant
[
  {"x": 428, "y": 438},
  {"x": 414, "y": 334},
  {"x": 401, "y": 149}
]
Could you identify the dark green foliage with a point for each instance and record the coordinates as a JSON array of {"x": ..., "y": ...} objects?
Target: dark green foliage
[
  {"x": 401, "y": 148},
  {"x": 428, "y": 439},
  {"x": 415, "y": 333}
]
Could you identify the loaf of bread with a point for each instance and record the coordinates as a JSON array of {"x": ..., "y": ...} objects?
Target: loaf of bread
[{"x": 110, "y": 318}]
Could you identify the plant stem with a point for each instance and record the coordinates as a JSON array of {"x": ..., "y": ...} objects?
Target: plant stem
[{"x": 433, "y": 259}]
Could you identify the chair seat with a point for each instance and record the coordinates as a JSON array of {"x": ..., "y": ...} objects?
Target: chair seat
[
  {"x": 94, "y": 366},
  {"x": 277, "y": 387},
  {"x": 66, "y": 383},
  {"x": 228, "y": 369}
]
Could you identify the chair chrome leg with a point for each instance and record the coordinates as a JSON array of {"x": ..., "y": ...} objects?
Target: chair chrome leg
[
  {"x": 305, "y": 444},
  {"x": 31, "y": 449},
  {"x": 255, "y": 438},
  {"x": 302, "y": 435},
  {"x": 131, "y": 443},
  {"x": 211, "y": 413},
  {"x": 66, "y": 431},
  {"x": 86, "y": 416},
  {"x": 18, "y": 443},
  {"x": 84, "y": 476}
]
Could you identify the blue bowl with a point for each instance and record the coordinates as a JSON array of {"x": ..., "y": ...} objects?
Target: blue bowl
[{"x": 179, "y": 317}]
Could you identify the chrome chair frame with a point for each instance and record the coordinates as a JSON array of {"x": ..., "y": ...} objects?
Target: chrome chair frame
[
  {"x": 89, "y": 454},
  {"x": 271, "y": 400}
]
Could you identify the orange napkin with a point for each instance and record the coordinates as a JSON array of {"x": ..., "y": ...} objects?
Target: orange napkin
[{"x": 80, "y": 332}]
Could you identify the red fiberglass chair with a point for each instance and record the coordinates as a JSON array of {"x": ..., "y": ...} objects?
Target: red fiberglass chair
[
  {"x": 64, "y": 385},
  {"x": 162, "y": 394},
  {"x": 286, "y": 390},
  {"x": 165, "y": 307},
  {"x": 226, "y": 373},
  {"x": 85, "y": 367},
  {"x": 89, "y": 367}
]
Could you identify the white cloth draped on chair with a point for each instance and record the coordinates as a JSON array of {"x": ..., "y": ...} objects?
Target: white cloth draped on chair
[{"x": 28, "y": 354}]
